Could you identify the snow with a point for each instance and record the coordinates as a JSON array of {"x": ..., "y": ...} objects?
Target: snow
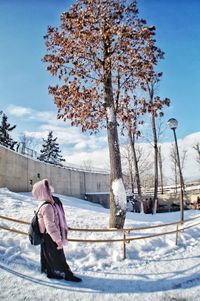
[
  {"x": 110, "y": 114},
  {"x": 119, "y": 193},
  {"x": 155, "y": 267}
]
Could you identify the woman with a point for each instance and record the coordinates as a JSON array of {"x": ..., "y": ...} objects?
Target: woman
[{"x": 52, "y": 223}]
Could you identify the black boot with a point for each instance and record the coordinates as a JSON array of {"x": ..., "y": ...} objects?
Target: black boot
[
  {"x": 71, "y": 277},
  {"x": 54, "y": 275}
]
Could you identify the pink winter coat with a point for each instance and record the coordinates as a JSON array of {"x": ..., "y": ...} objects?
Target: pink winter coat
[{"x": 48, "y": 219}]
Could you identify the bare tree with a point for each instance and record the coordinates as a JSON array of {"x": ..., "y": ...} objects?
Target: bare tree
[
  {"x": 197, "y": 148},
  {"x": 27, "y": 142},
  {"x": 154, "y": 106},
  {"x": 173, "y": 156},
  {"x": 127, "y": 160},
  {"x": 133, "y": 133},
  {"x": 160, "y": 167},
  {"x": 130, "y": 124},
  {"x": 144, "y": 162},
  {"x": 144, "y": 159},
  {"x": 87, "y": 164},
  {"x": 183, "y": 158}
]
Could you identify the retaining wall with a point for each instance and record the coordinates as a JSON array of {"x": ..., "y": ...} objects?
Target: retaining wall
[{"x": 19, "y": 173}]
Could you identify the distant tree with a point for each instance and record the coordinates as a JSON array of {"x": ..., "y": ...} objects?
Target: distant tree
[
  {"x": 87, "y": 165},
  {"x": 50, "y": 151},
  {"x": 130, "y": 120},
  {"x": 127, "y": 163},
  {"x": 197, "y": 148},
  {"x": 5, "y": 129},
  {"x": 26, "y": 142},
  {"x": 144, "y": 163},
  {"x": 174, "y": 161},
  {"x": 153, "y": 105},
  {"x": 160, "y": 168},
  {"x": 148, "y": 79},
  {"x": 173, "y": 156},
  {"x": 95, "y": 53}
]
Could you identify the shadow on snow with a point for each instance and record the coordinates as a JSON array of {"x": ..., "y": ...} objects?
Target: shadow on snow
[{"x": 107, "y": 285}]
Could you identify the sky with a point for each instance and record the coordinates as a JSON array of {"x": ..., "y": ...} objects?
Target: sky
[
  {"x": 154, "y": 269},
  {"x": 24, "y": 80}
]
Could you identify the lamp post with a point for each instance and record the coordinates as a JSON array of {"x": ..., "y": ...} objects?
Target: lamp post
[{"x": 173, "y": 123}]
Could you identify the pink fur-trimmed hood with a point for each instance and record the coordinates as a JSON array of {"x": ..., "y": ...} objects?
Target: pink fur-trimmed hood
[{"x": 42, "y": 192}]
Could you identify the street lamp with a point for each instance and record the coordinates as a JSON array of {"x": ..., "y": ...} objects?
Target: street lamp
[{"x": 173, "y": 123}]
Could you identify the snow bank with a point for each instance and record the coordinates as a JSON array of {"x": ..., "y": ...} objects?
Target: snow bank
[{"x": 155, "y": 268}]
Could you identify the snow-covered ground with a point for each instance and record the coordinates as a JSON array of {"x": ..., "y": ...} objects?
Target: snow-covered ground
[{"x": 155, "y": 267}]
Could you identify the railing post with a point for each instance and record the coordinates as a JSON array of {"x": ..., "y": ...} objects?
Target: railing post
[
  {"x": 177, "y": 230},
  {"x": 124, "y": 245}
]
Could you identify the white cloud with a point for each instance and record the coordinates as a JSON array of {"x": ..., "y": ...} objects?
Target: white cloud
[
  {"x": 36, "y": 135},
  {"x": 30, "y": 114},
  {"x": 41, "y": 116},
  {"x": 98, "y": 158},
  {"x": 66, "y": 135},
  {"x": 18, "y": 111},
  {"x": 190, "y": 139},
  {"x": 81, "y": 145},
  {"x": 91, "y": 143}
]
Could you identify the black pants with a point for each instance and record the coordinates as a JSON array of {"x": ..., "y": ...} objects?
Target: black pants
[{"x": 53, "y": 261}]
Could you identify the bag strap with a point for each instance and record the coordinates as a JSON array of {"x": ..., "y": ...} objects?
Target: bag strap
[{"x": 46, "y": 202}]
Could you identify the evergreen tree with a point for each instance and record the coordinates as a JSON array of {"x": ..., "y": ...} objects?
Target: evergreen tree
[
  {"x": 5, "y": 128},
  {"x": 50, "y": 151}
]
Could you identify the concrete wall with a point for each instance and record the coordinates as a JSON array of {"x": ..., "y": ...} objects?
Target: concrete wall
[
  {"x": 17, "y": 172},
  {"x": 100, "y": 198}
]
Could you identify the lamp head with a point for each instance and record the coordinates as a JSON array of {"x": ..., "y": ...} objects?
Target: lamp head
[{"x": 172, "y": 123}]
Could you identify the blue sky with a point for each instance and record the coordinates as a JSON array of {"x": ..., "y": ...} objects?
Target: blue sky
[
  {"x": 178, "y": 34},
  {"x": 24, "y": 80}
]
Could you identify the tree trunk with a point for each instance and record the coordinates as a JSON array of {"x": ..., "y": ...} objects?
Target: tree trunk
[
  {"x": 117, "y": 190},
  {"x": 131, "y": 171},
  {"x": 118, "y": 200},
  {"x": 161, "y": 170},
  {"x": 137, "y": 175},
  {"x": 155, "y": 144},
  {"x": 134, "y": 156}
]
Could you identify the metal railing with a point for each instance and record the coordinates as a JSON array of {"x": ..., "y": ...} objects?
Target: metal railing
[
  {"x": 85, "y": 168},
  {"x": 22, "y": 149}
]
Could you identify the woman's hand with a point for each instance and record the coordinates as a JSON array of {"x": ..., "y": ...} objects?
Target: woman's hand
[{"x": 59, "y": 245}]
